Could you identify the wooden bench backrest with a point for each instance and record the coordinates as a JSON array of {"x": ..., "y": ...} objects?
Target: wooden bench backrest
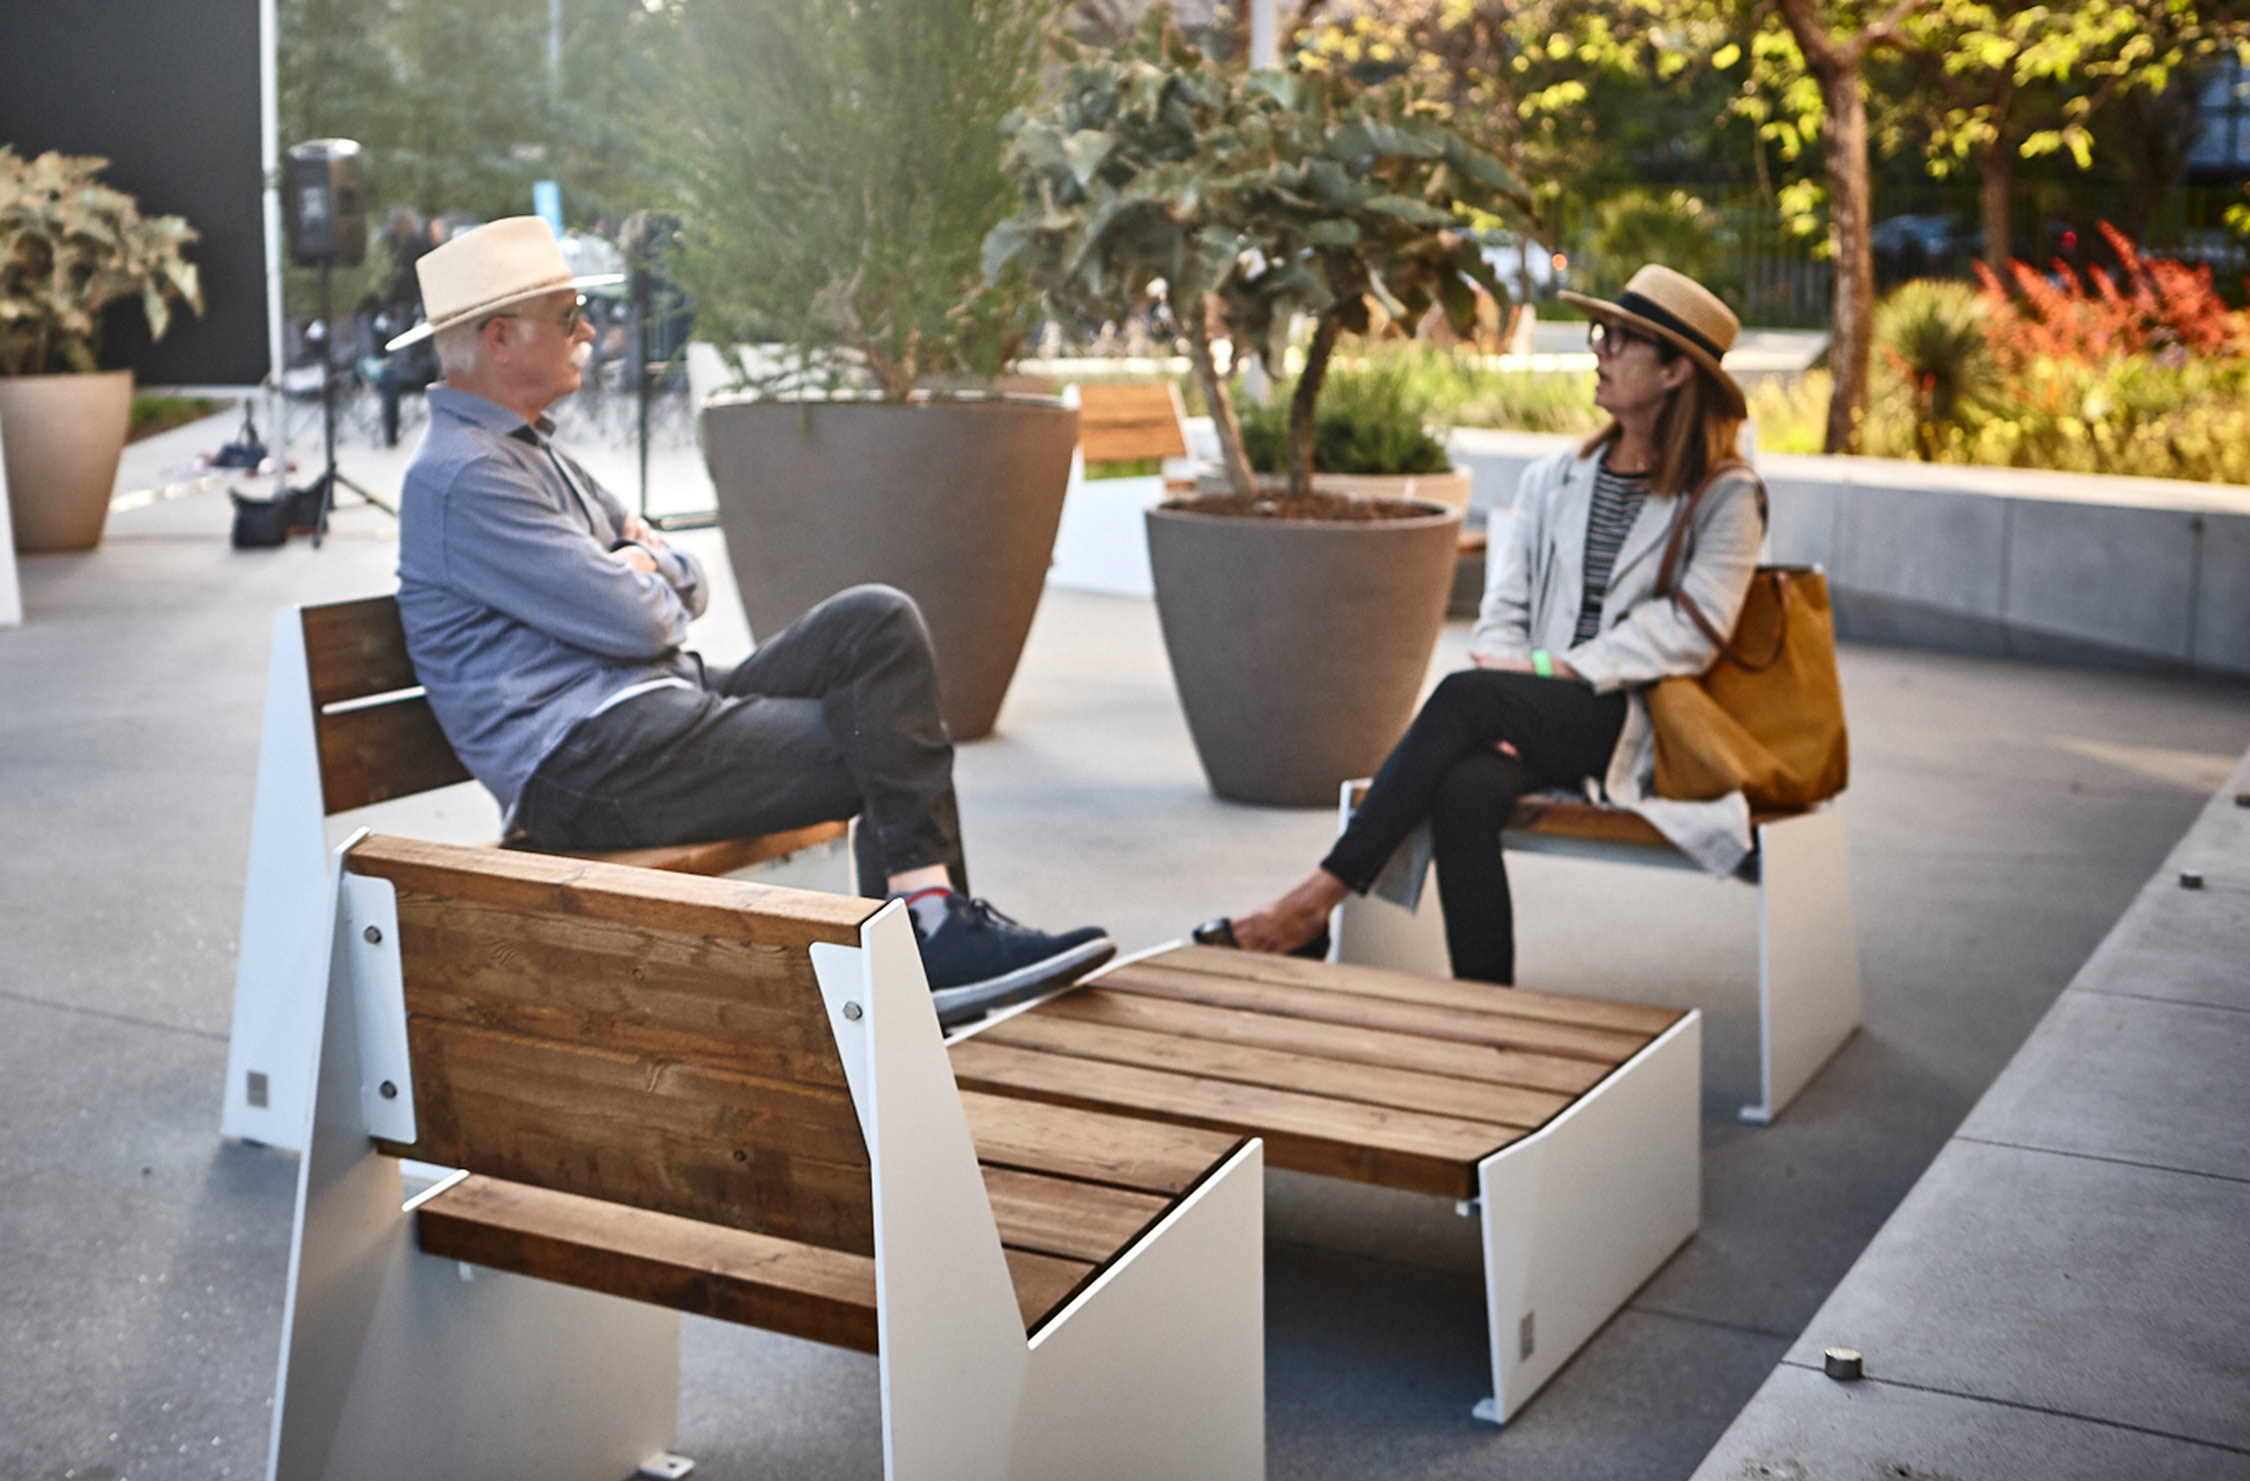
[
  {"x": 377, "y": 736},
  {"x": 657, "y": 1040},
  {"x": 1118, "y": 424}
]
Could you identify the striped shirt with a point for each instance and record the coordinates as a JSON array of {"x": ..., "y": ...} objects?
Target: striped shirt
[{"x": 1617, "y": 503}]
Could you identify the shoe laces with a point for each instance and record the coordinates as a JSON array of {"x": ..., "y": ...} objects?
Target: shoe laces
[{"x": 982, "y": 912}]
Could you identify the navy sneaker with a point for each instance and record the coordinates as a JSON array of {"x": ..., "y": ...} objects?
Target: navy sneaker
[{"x": 978, "y": 959}]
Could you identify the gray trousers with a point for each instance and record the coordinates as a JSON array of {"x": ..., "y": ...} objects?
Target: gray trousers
[{"x": 835, "y": 717}]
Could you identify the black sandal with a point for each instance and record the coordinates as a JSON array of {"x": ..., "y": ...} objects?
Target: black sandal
[{"x": 1220, "y": 932}]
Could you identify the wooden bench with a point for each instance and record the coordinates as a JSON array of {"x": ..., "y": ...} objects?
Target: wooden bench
[
  {"x": 1102, "y": 543},
  {"x": 668, "y": 1094},
  {"x": 347, "y": 726},
  {"x": 1808, "y": 948},
  {"x": 1570, "y": 1126}
]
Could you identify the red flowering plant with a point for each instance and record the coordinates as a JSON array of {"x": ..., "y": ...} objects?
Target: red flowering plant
[
  {"x": 2143, "y": 370},
  {"x": 2160, "y": 307}
]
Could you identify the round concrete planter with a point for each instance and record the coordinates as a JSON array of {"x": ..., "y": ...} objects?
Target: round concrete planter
[
  {"x": 1298, "y": 646},
  {"x": 953, "y": 502},
  {"x": 1450, "y": 488},
  {"x": 62, "y": 435}
]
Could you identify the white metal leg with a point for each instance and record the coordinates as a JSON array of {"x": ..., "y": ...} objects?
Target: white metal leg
[
  {"x": 397, "y": 1364},
  {"x": 1156, "y": 1370},
  {"x": 1372, "y": 932},
  {"x": 287, "y": 904},
  {"x": 1808, "y": 953},
  {"x": 11, "y": 595},
  {"x": 1582, "y": 1211}
]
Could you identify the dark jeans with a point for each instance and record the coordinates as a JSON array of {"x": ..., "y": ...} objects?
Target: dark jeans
[
  {"x": 835, "y": 717},
  {"x": 1446, "y": 770}
]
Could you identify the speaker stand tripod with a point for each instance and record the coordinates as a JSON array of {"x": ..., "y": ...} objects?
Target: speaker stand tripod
[{"x": 321, "y": 492}]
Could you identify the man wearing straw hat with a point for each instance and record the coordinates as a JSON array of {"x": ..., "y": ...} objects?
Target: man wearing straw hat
[{"x": 548, "y": 625}]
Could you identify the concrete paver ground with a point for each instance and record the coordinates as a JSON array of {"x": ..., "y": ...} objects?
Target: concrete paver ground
[{"x": 2002, "y": 817}]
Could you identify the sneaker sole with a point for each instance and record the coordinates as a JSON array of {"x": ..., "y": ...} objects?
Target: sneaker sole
[{"x": 971, "y": 1000}]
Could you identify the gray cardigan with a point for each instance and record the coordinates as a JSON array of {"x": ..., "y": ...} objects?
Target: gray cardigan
[{"x": 1534, "y": 584}]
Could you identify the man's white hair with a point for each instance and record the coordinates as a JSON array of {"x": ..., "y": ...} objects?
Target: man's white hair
[{"x": 460, "y": 348}]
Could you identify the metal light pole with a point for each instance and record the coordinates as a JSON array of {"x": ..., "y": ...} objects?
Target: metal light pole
[{"x": 1265, "y": 34}]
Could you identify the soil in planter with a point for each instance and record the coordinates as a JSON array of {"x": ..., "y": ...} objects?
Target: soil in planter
[{"x": 1328, "y": 508}]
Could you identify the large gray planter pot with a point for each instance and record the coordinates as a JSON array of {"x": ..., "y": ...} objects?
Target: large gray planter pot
[
  {"x": 62, "y": 436},
  {"x": 1298, "y": 646},
  {"x": 953, "y": 502}
]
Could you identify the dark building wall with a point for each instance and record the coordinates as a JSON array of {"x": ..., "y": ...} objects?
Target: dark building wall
[{"x": 167, "y": 90}]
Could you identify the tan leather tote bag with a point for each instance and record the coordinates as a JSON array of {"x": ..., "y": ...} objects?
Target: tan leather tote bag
[{"x": 1767, "y": 718}]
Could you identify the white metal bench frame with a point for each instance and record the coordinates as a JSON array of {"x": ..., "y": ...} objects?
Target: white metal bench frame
[
  {"x": 286, "y": 906},
  {"x": 395, "y": 1363},
  {"x": 1808, "y": 947}
]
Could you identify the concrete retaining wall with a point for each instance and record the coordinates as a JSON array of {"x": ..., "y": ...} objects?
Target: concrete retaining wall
[{"x": 2141, "y": 573}]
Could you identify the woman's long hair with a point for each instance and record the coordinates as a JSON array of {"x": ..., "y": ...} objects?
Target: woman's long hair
[{"x": 1695, "y": 432}]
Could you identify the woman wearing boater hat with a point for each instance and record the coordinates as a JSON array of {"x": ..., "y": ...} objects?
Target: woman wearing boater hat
[{"x": 1570, "y": 631}]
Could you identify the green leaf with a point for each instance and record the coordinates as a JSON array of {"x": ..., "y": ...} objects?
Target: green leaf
[{"x": 1086, "y": 150}]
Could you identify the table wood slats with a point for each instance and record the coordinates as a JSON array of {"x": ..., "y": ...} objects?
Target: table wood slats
[
  {"x": 1602, "y": 1046},
  {"x": 1350, "y": 1072}
]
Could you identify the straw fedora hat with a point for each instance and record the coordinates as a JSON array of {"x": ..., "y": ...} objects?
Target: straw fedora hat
[
  {"x": 1679, "y": 310},
  {"x": 482, "y": 271}
]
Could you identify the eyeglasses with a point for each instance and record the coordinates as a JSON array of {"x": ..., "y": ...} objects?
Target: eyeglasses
[
  {"x": 567, "y": 324},
  {"x": 1609, "y": 340}
]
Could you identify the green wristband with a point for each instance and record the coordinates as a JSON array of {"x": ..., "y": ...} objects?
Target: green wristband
[{"x": 1541, "y": 664}]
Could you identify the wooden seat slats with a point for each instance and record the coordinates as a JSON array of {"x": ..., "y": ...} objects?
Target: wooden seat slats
[
  {"x": 731, "y": 1275},
  {"x": 1056, "y": 1234},
  {"x": 1345, "y": 1071}
]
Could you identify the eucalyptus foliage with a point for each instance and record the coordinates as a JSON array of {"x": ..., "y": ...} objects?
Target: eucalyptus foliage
[
  {"x": 71, "y": 246},
  {"x": 839, "y": 163},
  {"x": 1269, "y": 194}
]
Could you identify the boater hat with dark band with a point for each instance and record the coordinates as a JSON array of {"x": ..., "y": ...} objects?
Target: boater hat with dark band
[
  {"x": 482, "y": 271},
  {"x": 1680, "y": 311}
]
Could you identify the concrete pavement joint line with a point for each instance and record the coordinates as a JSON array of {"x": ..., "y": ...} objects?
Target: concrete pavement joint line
[
  {"x": 2142, "y": 997},
  {"x": 2188, "y": 1172},
  {"x": 1953, "y": 1393},
  {"x": 1710, "y": 1321},
  {"x": 171, "y": 1028}
]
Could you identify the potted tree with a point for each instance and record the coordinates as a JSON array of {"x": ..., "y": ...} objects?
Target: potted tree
[
  {"x": 839, "y": 170},
  {"x": 1370, "y": 437},
  {"x": 1299, "y": 621},
  {"x": 69, "y": 247}
]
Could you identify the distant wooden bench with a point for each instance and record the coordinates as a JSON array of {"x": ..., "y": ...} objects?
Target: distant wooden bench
[
  {"x": 1102, "y": 543},
  {"x": 668, "y": 1094},
  {"x": 1570, "y": 1126},
  {"x": 347, "y": 726},
  {"x": 1808, "y": 949}
]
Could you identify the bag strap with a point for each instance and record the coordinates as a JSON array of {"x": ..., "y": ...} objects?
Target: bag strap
[{"x": 1670, "y": 567}]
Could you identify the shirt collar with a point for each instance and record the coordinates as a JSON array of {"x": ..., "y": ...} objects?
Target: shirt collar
[{"x": 469, "y": 407}]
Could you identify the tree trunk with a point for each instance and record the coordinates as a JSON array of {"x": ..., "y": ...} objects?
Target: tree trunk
[
  {"x": 1996, "y": 185},
  {"x": 1237, "y": 464},
  {"x": 1303, "y": 400},
  {"x": 1851, "y": 344}
]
